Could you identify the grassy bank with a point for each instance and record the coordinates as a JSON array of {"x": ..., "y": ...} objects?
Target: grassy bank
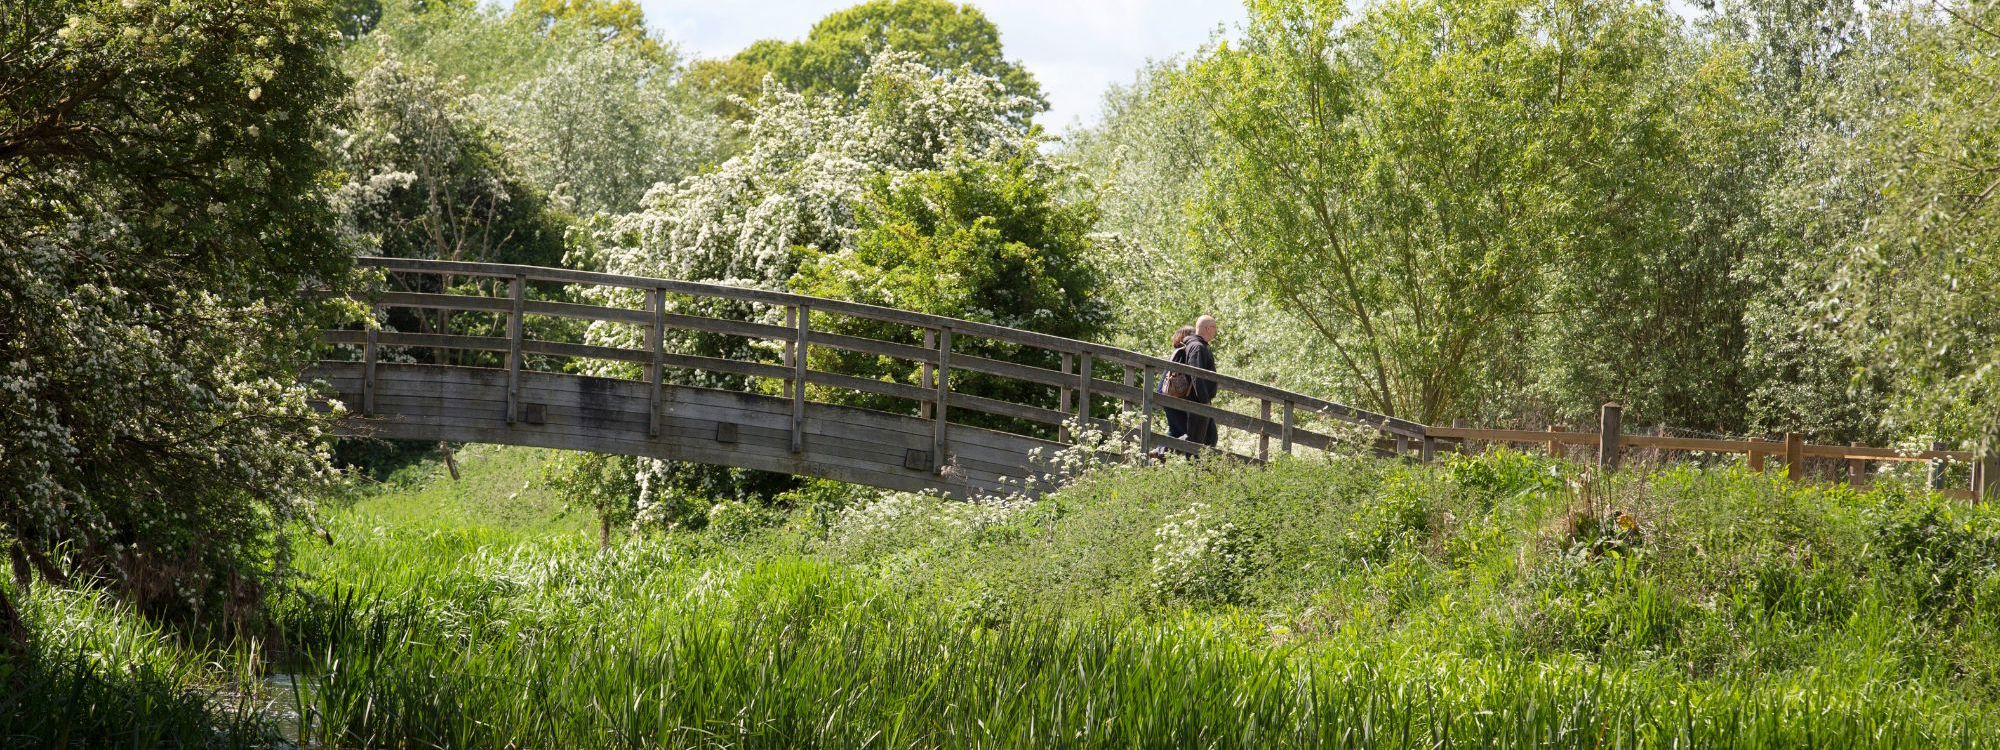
[{"x": 1499, "y": 600}]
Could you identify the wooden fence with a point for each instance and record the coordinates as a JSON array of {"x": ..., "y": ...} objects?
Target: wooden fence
[{"x": 1610, "y": 442}]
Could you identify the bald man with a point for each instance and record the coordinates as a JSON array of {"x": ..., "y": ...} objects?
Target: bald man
[{"x": 1201, "y": 429}]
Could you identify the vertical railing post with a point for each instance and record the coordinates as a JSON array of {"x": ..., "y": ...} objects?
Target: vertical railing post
[
  {"x": 1264, "y": 430},
  {"x": 942, "y": 400},
  {"x": 1609, "y": 424},
  {"x": 1756, "y": 457},
  {"x": 1857, "y": 468},
  {"x": 368, "y": 356},
  {"x": 517, "y": 290},
  {"x": 801, "y": 353},
  {"x": 1795, "y": 456},
  {"x": 930, "y": 372},
  {"x": 1555, "y": 446},
  {"x": 1146, "y": 409},
  {"x": 656, "y": 339},
  {"x": 1936, "y": 473},
  {"x": 1063, "y": 394},
  {"x": 1083, "y": 378},
  {"x": 1285, "y": 430},
  {"x": 1986, "y": 471},
  {"x": 1126, "y": 379}
]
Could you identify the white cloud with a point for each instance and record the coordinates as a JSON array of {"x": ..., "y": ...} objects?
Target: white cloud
[{"x": 1075, "y": 48}]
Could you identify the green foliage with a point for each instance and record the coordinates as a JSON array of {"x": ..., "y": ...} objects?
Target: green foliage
[
  {"x": 162, "y": 213},
  {"x": 835, "y": 56},
  {"x": 1420, "y": 183},
  {"x": 988, "y": 241},
  {"x": 424, "y": 179}
]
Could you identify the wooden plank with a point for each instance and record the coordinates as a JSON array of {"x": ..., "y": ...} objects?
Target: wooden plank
[
  {"x": 1857, "y": 470},
  {"x": 1285, "y": 435},
  {"x": 1084, "y": 377},
  {"x": 656, "y": 347},
  {"x": 517, "y": 290},
  {"x": 1146, "y": 409},
  {"x": 442, "y": 341},
  {"x": 590, "y": 351},
  {"x": 804, "y": 344},
  {"x": 1757, "y": 455},
  {"x": 876, "y": 347},
  {"x": 1036, "y": 414},
  {"x": 1795, "y": 456},
  {"x": 942, "y": 399},
  {"x": 369, "y": 356},
  {"x": 730, "y": 366},
  {"x": 929, "y": 373},
  {"x": 742, "y": 328},
  {"x": 1063, "y": 401},
  {"x": 428, "y": 301},
  {"x": 1609, "y": 452},
  {"x": 1264, "y": 436},
  {"x": 868, "y": 385},
  {"x": 1519, "y": 436},
  {"x": 1012, "y": 370},
  {"x": 593, "y": 312}
]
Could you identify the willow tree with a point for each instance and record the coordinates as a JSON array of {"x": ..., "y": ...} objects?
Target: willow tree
[{"x": 1412, "y": 181}]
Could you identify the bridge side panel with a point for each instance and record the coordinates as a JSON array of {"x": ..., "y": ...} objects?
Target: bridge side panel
[{"x": 727, "y": 428}]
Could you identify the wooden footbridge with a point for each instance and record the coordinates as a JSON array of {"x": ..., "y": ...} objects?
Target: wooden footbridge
[{"x": 498, "y": 356}]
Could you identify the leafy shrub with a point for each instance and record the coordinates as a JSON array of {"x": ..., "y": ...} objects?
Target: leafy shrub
[{"x": 1198, "y": 560}]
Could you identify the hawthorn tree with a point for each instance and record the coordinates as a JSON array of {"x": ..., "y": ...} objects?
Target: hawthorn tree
[{"x": 162, "y": 211}]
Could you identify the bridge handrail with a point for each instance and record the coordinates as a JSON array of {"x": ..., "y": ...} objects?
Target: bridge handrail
[{"x": 1264, "y": 426}]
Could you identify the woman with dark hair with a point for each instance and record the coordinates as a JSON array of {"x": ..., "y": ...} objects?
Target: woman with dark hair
[{"x": 1177, "y": 420}]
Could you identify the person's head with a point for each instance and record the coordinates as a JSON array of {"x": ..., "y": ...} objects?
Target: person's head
[
  {"x": 1181, "y": 334},
  {"x": 1204, "y": 327}
]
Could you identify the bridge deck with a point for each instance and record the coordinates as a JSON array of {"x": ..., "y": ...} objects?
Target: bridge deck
[{"x": 746, "y": 430}]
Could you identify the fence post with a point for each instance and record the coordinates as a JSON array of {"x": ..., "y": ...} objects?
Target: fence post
[
  {"x": 1062, "y": 430},
  {"x": 1608, "y": 437},
  {"x": 1285, "y": 429},
  {"x": 1083, "y": 378},
  {"x": 656, "y": 342},
  {"x": 1936, "y": 474},
  {"x": 1460, "y": 424},
  {"x": 368, "y": 356},
  {"x": 1986, "y": 471},
  {"x": 1555, "y": 446},
  {"x": 1857, "y": 468},
  {"x": 1264, "y": 430},
  {"x": 1146, "y": 408},
  {"x": 930, "y": 372},
  {"x": 942, "y": 398},
  {"x": 799, "y": 357},
  {"x": 517, "y": 288},
  {"x": 1795, "y": 456}
]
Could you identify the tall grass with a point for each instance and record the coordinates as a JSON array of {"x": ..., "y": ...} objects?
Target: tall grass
[{"x": 1493, "y": 601}]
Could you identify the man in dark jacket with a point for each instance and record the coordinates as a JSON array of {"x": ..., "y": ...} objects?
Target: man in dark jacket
[{"x": 1201, "y": 429}]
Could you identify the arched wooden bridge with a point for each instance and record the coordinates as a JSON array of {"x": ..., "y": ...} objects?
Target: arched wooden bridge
[{"x": 497, "y": 349}]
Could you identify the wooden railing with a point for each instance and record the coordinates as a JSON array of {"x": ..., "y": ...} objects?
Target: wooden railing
[
  {"x": 1610, "y": 442},
  {"x": 1287, "y": 418}
]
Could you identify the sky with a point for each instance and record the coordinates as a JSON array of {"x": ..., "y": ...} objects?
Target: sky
[{"x": 1075, "y": 48}]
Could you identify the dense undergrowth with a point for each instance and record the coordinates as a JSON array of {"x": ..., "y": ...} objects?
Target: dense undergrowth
[{"x": 1493, "y": 600}]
